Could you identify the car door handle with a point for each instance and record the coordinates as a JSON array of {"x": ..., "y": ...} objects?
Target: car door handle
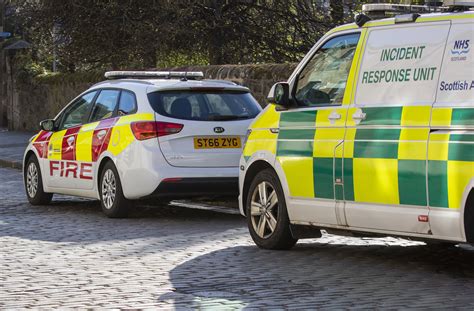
[
  {"x": 334, "y": 116},
  {"x": 101, "y": 134},
  {"x": 358, "y": 116}
]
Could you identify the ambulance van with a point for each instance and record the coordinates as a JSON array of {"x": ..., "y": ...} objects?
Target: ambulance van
[{"x": 372, "y": 135}]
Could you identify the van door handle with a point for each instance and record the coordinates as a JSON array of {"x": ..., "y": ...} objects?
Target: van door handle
[
  {"x": 358, "y": 116},
  {"x": 334, "y": 116}
]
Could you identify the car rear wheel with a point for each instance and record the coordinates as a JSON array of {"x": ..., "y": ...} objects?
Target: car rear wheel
[
  {"x": 112, "y": 200},
  {"x": 267, "y": 216},
  {"x": 34, "y": 183}
]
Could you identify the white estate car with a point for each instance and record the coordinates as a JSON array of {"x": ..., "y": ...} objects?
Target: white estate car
[{"x": 142, "y": 135}]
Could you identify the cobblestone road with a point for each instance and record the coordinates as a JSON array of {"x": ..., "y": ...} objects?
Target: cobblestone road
[{"x": 69, "y": 255}]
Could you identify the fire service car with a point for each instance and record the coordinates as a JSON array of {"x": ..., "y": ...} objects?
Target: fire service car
[{"x": 142, "y": 135}]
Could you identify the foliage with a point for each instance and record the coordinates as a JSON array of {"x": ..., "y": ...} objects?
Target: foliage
[{"x": 110, "y": 34}]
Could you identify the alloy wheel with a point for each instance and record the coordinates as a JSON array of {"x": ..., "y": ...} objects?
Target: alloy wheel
[
  {"x": 109, "y": 189},
  {"x": 264, "y": 210},
  {"x": 32, "y": 180}
]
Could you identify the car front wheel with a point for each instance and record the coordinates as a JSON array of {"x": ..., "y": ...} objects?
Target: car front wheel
[
  {"x": 267, "y": 216},
  {"x": 34, "y": 183}
]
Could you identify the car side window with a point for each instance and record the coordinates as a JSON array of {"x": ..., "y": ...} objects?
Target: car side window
[
  {"x": 323, "y": 80},
  {"x": 105, "y": 105},
  {"x": 127, "y": 103},
  {"x": 78, "y": 112}
]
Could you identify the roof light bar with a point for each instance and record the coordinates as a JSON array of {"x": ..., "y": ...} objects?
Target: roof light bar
[
  {"x": 188, "y": 75},
  {"x": 383, "y": 10}
]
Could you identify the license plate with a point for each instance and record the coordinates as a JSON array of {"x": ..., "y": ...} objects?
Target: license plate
[{"x": 216, "y": 142}]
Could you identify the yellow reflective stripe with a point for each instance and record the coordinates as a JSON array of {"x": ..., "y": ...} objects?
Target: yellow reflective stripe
[
  {"x": 299, "y": 175},
  {"x": 416, "y": 116},
  {"x": 351, "y": 86},
  {"x": 268, "y": 118},
  {"x": 326, "y": 140},
  {"x": 36, "y": 137},
  {"x": 342, "y": 28},
  {"x": 412, "y": 144},
  {"x": 441, "y": 117},
  {"x": 438, "y": 147},
  {"x": 349, "y": 142},
  {"x": 122, "y": 135},
  {"x": 422, "y": 19},
  {"x": 56, "y": 145},
  {"x": 84, "y": 142},
  {"x": 135, "y": 117},
  {"x": 261, "y": 139},
  {"x": 376, "y": 180},
  {"x": 459, "y": 176}
]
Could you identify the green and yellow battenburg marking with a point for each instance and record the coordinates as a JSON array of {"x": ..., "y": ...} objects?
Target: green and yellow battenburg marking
[{"x": 383, "y": 160}]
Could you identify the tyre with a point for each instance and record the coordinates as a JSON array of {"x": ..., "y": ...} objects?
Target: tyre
[
  {"x": 34, "y": 183},
  {"x": 267, "y": 216},
  {"x": 112, "y": 200}
]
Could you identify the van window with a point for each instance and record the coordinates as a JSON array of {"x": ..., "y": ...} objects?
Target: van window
[
  {"x": 401, "y": 65},
  {"x": 323, "y": 80}
]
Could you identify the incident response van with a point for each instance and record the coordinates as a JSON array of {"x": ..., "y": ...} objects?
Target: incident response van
[{"x": 372, "y": 135}]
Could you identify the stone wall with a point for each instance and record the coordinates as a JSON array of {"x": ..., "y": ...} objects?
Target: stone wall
[{"x": 29, "y": 102}]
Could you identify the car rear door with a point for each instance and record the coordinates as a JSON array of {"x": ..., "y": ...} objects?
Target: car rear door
[{"x": 210, "y": 126}]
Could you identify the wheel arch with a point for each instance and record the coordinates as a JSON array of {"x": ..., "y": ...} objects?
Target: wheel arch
[
  {"x": 469, "y": 217},
  {"x": 250, "y": 174},
  {"x": 28, "y": 155},
  {"x": 102, "y": 163}
]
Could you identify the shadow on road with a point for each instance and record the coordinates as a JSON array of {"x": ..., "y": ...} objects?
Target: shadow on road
[{"x": 332, "y": 275}]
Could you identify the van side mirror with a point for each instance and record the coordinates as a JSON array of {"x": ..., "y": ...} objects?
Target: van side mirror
[
  {"x": 280, "y": 95},
  {"x": 47, "y": 125}
]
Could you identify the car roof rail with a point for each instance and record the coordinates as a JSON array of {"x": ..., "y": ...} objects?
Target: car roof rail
[
  {"x": 182, "y": 75},
  {"x": 384, "y": 10}
]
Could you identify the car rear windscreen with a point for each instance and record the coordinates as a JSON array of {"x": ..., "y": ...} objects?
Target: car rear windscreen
[{"x": 205, "y": 105}]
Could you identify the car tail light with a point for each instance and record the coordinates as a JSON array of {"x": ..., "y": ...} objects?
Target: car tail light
[{"x": 149, "y": 129}]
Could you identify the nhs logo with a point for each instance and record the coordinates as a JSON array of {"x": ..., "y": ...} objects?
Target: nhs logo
[{"x": 460, "y": 50}]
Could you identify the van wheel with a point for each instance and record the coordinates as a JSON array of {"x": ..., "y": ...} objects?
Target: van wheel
[
  {"x": 112, "y": 200},
  {"x": 34, "y": 183},
  {"x": 267, "y": 216}
]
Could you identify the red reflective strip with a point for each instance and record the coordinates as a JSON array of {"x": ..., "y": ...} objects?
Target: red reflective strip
[
  {"x": 423, "y": 218},
  {"x": 41, "y": 143},
  {"x": 170, "y": 180},
  {"x": 101, "y": 137},
  {"x": 69, "y": 144},
  {"x": 43, "y": 136}
]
